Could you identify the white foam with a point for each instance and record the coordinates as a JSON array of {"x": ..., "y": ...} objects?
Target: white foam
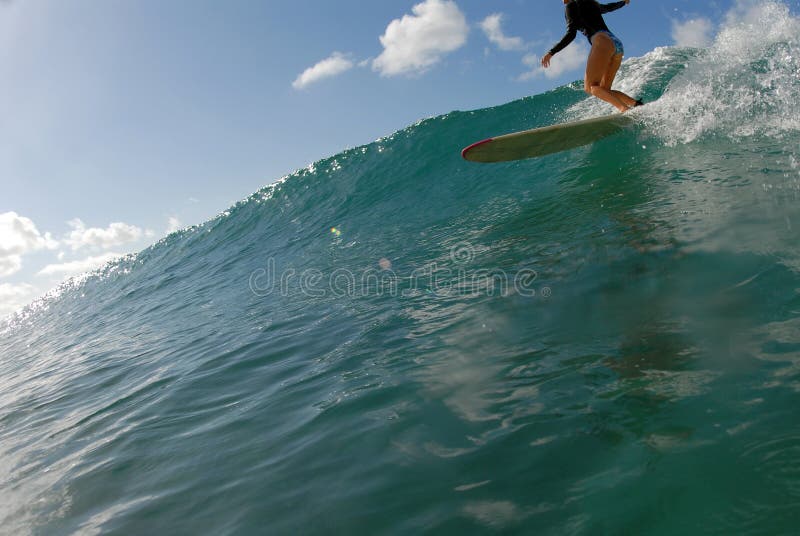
[{"x": 747, "y": 83}]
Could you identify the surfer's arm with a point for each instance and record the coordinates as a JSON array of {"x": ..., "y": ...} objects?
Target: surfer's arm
[
  {"x": 572, "y": 30},
  {"x": 568, "y": 38},
  {"x": 606, "y": 8}
]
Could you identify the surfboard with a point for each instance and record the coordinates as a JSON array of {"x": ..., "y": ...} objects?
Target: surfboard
[{"x": 546, "y": 140}]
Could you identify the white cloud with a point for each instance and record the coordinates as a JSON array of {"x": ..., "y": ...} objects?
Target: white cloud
[
  {"x": 334, "y": 65},
  {"x": 173, "y": 224},
  {"x": 15, "y": 297},
  {"x": 10, "y": 265},
  {"x": 115, "y": 234},
  {"x": 570, "y": 59},
  {"x": 751, "y": 12},
  {"x": 78, "y": 267},
  {"x": 492, "y": 27},
  {"x": 692, "y": 33},
  {"x": 416, "y": 42},
  {"x": 18, "y": 236}
]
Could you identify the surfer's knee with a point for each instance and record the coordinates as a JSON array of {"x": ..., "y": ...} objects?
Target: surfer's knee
[{"x": 593, "y": 88}]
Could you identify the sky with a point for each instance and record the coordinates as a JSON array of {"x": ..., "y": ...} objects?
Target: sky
[{"x": 123, "y": 120}]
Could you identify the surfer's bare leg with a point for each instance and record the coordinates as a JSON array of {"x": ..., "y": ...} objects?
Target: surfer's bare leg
[
  {"x": 608, "y": 79},
  {"x": 600, "y": 60},
  {"x": 629, "y": 101}
]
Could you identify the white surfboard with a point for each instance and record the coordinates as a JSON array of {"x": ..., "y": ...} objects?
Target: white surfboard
[{"x": 546, "y": 140}]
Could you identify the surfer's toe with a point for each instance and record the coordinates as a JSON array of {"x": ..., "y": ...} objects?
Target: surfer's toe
[{"x": 638, "y": 103}]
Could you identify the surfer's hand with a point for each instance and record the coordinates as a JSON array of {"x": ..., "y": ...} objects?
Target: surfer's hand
[{"x": 546, "y": 60}]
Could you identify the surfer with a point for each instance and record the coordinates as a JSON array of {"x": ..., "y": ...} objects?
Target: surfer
[{"x": 606, "y": 54}]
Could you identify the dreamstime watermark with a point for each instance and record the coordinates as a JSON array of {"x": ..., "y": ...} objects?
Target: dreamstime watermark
[{"x": 441, "y": 279}]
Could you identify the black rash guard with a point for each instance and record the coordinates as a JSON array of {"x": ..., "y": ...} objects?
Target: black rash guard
[{"x": 586, "y": 16}]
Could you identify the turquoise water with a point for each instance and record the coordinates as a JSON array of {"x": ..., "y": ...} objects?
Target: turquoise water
[{"x": 393, "y": 340}]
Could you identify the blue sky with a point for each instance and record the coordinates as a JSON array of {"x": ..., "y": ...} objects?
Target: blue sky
[{"x": 122, "y": 119}]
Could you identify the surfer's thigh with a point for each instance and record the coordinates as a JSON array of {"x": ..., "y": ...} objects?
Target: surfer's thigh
[
  {"x": 611, "y": 72},
  {"x": 599, "y": 58}
]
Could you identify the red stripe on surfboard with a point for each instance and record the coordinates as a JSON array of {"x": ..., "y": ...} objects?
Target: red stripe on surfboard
[{"x": 477, "y": 143}]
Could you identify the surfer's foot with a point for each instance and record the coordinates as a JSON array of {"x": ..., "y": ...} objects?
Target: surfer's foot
[{"x": 636, "y": 104}]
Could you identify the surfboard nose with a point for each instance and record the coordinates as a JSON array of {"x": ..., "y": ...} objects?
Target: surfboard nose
[{"x": 476, "y": 144}]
